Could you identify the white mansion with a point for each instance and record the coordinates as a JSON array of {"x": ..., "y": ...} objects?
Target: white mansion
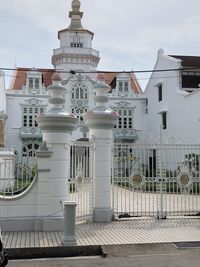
[
  {"x": 169, "y": 102},
  {"x": 27, "y": 95}
]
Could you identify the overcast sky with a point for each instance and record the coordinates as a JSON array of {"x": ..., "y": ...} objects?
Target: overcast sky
[{"x": 128, "y": 33}]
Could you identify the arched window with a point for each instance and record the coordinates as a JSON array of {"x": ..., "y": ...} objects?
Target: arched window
[
  {"x": 79, "y": 91},
  {"x": 29, "y": 153},
  {"x": 79, "y": 97}
]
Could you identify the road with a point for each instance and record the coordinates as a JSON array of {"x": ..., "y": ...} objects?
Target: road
[{"x": 184, "y": 258}]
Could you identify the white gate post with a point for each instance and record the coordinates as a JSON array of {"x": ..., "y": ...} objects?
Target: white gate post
[
  {"x": 56, "y": 125},
  {"x": 101, "y": 122}
]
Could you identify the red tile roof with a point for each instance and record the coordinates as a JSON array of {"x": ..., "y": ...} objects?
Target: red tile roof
[
  {"x": 19, "y": 79},
  {"x": 111, "y": 80}
]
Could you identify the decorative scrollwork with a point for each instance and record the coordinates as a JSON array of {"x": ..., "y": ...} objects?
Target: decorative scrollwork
[
  {"x": 122, "y": 104},
  {"x": 33, "y": 102}
]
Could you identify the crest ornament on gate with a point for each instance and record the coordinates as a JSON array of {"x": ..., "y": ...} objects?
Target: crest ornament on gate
[
  {"x": 184, "y": 180},
  {"x": 137, "y": 180}
]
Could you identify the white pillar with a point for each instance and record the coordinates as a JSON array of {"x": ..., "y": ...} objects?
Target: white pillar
[
  {"x": 56, "y": 125},
  {"x": 103, "y": 141},
  {"x": 101, "y": 122}
]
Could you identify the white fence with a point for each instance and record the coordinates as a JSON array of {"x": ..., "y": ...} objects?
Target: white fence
[
  {"x": 16, "y": 177},
  {"x": 156, "y": 180},
  {"x": 148, "y": 180}
]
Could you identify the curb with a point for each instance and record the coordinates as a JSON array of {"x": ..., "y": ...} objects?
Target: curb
[
  {"x": 100, "y": 250},
  {"x": 53, "y": 252}
]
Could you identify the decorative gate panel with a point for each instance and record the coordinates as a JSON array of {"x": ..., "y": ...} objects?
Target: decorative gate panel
[
  {"x": 156, "y": 180},
  {"x": 80, "y": 182}
]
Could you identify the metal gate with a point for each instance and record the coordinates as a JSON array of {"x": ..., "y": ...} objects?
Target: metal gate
[
  {"x": 80, "y": 182},
  {"x": 156, "y": 180}
]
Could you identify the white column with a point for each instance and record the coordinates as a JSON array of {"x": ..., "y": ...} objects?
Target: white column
[
  {"x": 56, "y": 125},
  {"x": 102, "y": 174},
  {"x": 101, "y": 121}
]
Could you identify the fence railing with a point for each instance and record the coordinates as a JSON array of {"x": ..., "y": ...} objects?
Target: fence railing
[
  {"x": 15, "y": 177},
  {"x": 156, "y": 180}
]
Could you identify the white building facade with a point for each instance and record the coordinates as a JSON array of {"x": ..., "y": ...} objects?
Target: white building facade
[
  {"x": 173, "y": 99},
  {"x": 77, "y": 62}
]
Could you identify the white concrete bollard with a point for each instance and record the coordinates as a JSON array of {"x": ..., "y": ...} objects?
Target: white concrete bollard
[{"x": 69, "y": 223}]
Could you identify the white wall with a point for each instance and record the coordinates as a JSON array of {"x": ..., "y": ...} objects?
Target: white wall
[
  {"x": 14, "y": 113},
  {"x": 182, "y": 108},
  {"x": 67, "y": 37},
  {"x": 21, "y": 207}
]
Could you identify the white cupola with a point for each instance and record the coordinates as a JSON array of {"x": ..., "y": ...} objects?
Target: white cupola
[{"x": 75, "y": 52}]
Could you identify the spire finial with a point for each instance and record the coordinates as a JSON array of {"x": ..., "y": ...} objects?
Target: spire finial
[{"x": 75, "y": 15}]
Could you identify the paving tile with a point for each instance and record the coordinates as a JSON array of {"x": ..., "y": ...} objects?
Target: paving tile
[{"x": 118, "y": 232}]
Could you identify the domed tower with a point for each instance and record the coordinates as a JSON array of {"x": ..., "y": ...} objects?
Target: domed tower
[{"x": 75, "y": 52}]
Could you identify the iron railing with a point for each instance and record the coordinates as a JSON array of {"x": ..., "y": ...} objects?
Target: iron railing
[{"x": 15, "y": 177}]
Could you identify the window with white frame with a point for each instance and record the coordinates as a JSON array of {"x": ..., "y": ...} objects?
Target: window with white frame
[
  {"x": 29, "y": 153},
  {"x": 160, "y": 92},
  {"x": 29, "y": 115},
  {"x": 34, "y": 83},
  {"x": 120, "y": 86},
  {"x": 76, "y": 41},
  {"x": 123, "y": 87},
  {"x": 164, "y": 120},
  {"x": 29, "y": 149},
  {"x": 79, "y": 91},
  {"x": 125, "y": 120}
]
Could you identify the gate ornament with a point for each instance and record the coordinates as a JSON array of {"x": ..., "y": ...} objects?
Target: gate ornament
[
  {"x": 184, "y": 180},
  {"x": 137, "y": 180}
]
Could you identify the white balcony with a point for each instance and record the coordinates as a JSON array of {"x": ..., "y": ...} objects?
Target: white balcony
[
  {"x": 30, "y": 132},
  {"x": 82, "y": 51},
  {"x": 125, "y": 134}
]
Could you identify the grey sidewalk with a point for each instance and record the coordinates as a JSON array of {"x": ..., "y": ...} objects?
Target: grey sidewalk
[{"x": 135, "y": 231}]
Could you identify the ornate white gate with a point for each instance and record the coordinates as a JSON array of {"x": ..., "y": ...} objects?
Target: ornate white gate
[
  {"x": 80, "y": 182},
  {"x": 156, "y": 180}
]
